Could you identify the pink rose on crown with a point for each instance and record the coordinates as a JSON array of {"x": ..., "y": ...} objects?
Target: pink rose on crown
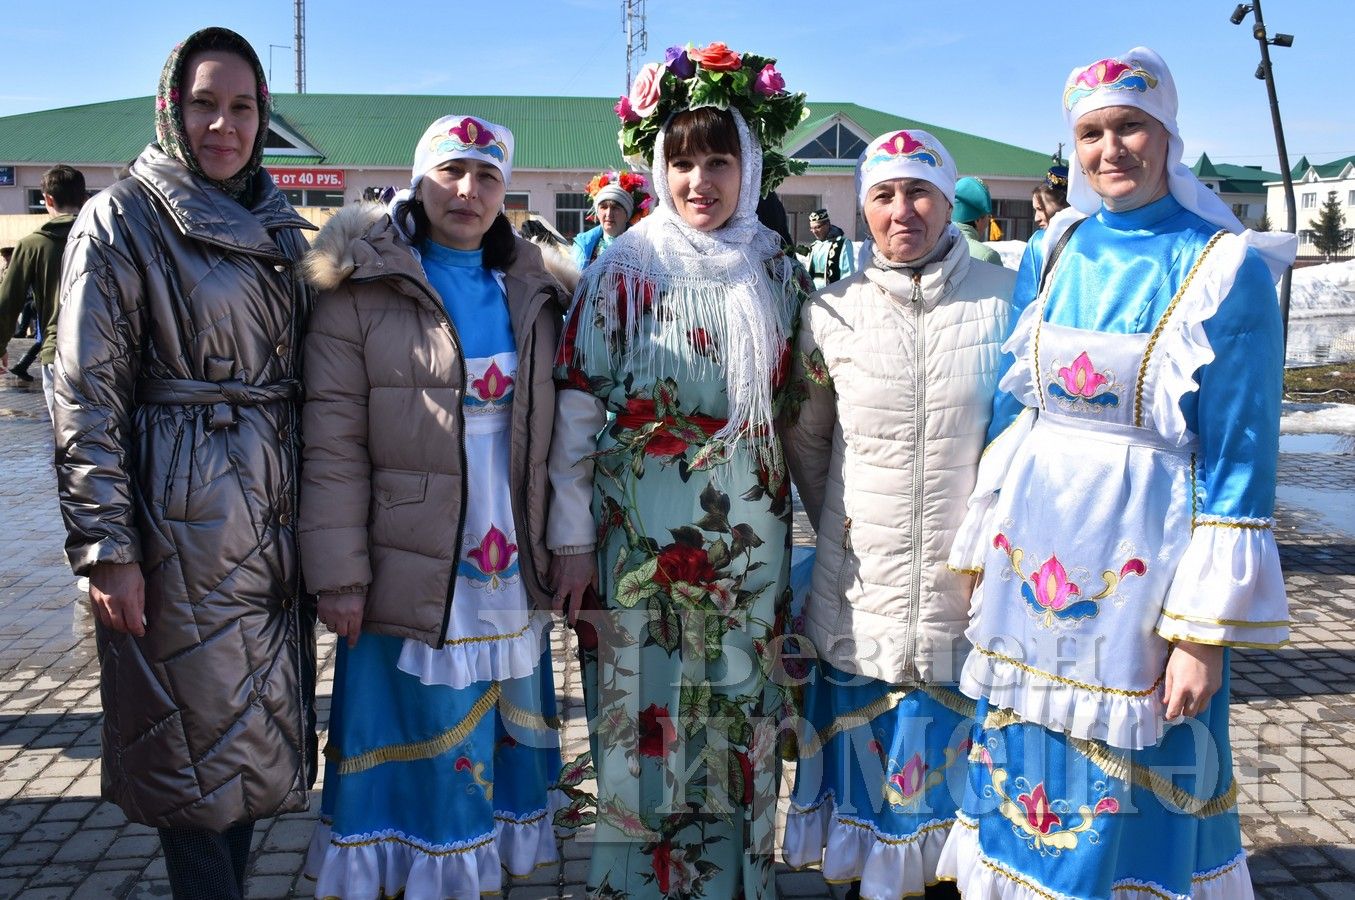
[
  {"x": 624, "y": 112},
  {"x": 644, "y": 93},
  {"x": 769, "y": 81}
]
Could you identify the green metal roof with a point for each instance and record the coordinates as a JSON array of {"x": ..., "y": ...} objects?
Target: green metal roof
[
  {"x": 1331, "y": 169},
  {"x": 378, "y": 131},
  {"x": 1234, "y": 179},
  {"x": 972, "y": 154}
]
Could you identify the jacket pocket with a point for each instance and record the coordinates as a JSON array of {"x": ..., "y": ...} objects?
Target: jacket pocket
[
  {"x": 177, "y": 480},
  {"x": 391, "y": 489},
  {"x": 844, "y": 578}
]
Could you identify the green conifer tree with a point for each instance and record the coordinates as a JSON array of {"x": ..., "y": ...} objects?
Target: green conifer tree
[{"x": 1331, "y": 237}]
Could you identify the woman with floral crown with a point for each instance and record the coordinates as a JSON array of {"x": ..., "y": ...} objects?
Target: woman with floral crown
[
  {"x": 620, "y": 199},
  {"x": 1122, "y": 523},
  {"x": 428, "y": 421},
  {"x": 680, "y": 509}
]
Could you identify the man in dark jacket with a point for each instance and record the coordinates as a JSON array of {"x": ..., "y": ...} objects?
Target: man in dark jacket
[{"x": 36, "y": 267}]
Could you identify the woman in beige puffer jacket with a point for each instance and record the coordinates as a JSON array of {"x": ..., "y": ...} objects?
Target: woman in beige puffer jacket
[
  {"x": 895, "y": 368},
  {"x": 430, "y": 404}
]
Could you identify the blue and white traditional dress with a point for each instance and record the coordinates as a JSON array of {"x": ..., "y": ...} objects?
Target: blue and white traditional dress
[
  {"x": 1127, "y": 506},
  {"x": 416, "y": 803}
]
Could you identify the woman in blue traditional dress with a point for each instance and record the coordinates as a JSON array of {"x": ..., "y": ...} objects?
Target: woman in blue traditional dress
[
  {"x": 894, "y": 373},
  {"x": 430, "y": 400},
  {"x": 681, "y": 505},
  {"x": 1122, "y": 520}
]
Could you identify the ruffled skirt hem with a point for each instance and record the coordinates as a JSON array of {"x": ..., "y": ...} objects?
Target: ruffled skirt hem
[
  {"x": 1130, "y": 720},
  {"x": 981, "y": 878},
  {"x": 382, "y": 864},
  {"x": 845, "y": 849}
]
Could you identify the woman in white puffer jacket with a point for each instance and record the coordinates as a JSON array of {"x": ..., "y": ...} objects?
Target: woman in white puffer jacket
[{"x": 894, "y": 371}]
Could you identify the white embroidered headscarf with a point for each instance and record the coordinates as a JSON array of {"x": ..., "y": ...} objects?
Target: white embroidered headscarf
[
  {"x": 1141, "y": 79},
  {"x": 448, "y": 138},
  {"x": 711, "y": 280}
]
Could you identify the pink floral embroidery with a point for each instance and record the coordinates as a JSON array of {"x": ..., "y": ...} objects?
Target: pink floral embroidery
[
  {"x": 495, "y": 554},
  {"x": 1052, "y": 587},
  {"x": 493, "y": 385},
  {"x": 1107, "y": 805},
  {"x": 1081, "y": 379},
  {"x": 1039, "y": 815},
  {"x": 911, "y": 779}
]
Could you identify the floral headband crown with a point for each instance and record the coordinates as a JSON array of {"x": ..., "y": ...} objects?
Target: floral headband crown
[
  {"x": 633, "y": 184},
  {"x": 693, "y": 77}
]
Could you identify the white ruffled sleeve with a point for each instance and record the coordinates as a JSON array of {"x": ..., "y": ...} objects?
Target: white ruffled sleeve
[
  {"x": 977, "y": 529},
  {"x": 1228, "y": 589}
]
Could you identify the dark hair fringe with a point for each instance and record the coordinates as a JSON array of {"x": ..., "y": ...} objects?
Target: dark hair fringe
[
  {"x": 705, "y": 129},
  {"x": 498, "y": 248}
]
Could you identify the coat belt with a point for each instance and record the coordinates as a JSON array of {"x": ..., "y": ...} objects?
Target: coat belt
[{"x": 224, "y": 397}]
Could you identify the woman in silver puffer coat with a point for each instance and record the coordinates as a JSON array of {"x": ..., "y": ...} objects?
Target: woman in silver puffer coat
[{"x": 177, "y": 447}]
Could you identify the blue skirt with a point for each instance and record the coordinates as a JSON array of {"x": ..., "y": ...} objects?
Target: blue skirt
[
  {"x": 880, "y": 775},
  {"x": 411, "y": 798},
  {"x": 1046, "y": 815}
]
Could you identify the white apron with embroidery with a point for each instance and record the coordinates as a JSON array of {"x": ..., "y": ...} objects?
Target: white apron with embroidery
[
  {"x": 1077, "y": 565},
  {"x": 491, "y": 633}
]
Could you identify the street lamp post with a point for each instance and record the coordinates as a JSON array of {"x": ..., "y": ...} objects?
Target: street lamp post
[{"x": 1263, "y": 72}]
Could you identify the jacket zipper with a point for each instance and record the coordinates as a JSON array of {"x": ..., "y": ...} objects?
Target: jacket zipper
[
  {"x": 459, "y": 414},
  {"x": 294, "y": 442},
  {"x": 919, "y": 453}
]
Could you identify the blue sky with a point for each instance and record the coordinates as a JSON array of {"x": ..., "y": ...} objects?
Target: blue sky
[{"x": 984, "y": 66}]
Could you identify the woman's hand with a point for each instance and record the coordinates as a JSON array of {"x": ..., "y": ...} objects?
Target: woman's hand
[
  {"x": 1194, "y": 673},
  {"x": 117, "y": 591},
  {"x": 569, "y": 577},
  {"x": 342, "y": 614}
]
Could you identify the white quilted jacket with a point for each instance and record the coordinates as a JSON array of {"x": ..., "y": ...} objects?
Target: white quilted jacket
[{"x": 884, "y": 451}]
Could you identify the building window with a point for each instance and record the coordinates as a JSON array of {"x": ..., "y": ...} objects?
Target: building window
[
  {"x": 834, "y": 143},
  {"x": 35, "y": 204},
  {"x": 569, "y": 212},
  {"x": 1350, "y": 201},
  {"x": 1305, "y": 238},
  {"x": 1240, "y": 210},
  {"x": 517, "y": 202},
  {"x": 1310, "y": 200},
  {"x": 314, "y": 198}
]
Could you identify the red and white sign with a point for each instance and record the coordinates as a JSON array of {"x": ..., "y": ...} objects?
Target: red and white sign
[{"x": 308, "y": 179}]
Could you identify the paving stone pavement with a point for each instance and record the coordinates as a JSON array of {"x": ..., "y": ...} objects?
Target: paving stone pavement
[{"x": 1293, "y": 715}]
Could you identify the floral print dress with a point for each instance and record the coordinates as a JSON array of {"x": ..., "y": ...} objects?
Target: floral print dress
[{"x": 682, "y": 688}]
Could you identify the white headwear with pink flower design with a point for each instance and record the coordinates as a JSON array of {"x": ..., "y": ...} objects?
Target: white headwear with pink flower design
[
  {"x": 909, "y": 153},
  {"x": 1140, "y": 78},
  {"x": 463, "y": 137},
  {"x": 448, "y": 138}
]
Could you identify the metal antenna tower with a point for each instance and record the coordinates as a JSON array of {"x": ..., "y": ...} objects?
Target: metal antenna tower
[
  {"x": 637, "y": 38},
  {"x": 300, "y": 43}
]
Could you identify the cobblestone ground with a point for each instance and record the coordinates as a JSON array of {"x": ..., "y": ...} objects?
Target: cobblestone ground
[{"x": 1293, "y": 715}]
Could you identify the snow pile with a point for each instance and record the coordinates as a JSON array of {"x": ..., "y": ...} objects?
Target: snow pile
[
  {"x": 1323, "y": 290},
  {"x": 1317, "y": 418},
  {"x": 1010, "y": 251}
]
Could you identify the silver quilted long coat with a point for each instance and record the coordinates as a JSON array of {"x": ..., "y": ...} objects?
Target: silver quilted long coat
[{"x": 177, "y": 448}]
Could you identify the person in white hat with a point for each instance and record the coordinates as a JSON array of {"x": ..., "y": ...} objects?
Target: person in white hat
[
  {"x": 896, "y": 366},
  {"x": 620, "y": 199},
  {"x": 429, "y": 411},
  {"x": 1123, "y": 524}
]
